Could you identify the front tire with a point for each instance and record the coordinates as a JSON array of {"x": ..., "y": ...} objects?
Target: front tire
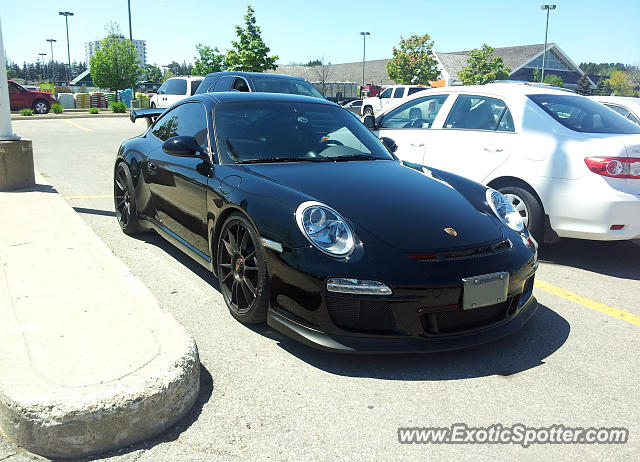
[
  {"x": 242, "y": 270},
  {"x": 368, "y": 111},
  {"x": 40, "y": 106},
  {"x": 124, "y": 196},
  {"x": 529, "y": 209},
  {"x": 153, "y": 105}
]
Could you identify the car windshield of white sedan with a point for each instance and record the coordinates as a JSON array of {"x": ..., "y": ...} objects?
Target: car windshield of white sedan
[
  {"x": 261, "y": 132},
  {"x": 584, "y": 115}
]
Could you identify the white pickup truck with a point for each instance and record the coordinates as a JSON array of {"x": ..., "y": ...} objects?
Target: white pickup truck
[{"x": 390, "y": 96}]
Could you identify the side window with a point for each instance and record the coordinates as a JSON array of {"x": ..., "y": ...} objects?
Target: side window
[
  {"x": 480, "y": 113},
  {"x": 163, "y": 88},
  {"x": 386, "y": 93},
  {"x": 240, "y": 84},
  {"x": 415, "y": 90},
  {"x": 179, "y": 87},
  {"x": 398, "y": 92},
  {"x": 188, "y": 119},
  {"x": 633, "y": 118},
  {"x": 224, "y": 83},
  {"x": 418, "y": 113},
  {"x": 194, "y": 86}
]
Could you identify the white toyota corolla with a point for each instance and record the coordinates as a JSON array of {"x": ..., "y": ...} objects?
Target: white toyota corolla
[{"x": 569, "y": 165}]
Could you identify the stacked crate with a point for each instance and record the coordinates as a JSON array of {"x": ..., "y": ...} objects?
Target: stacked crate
[
  {"x": 143, "y": 100},
  {"x": 98, "y": 99},
  {"x": 83, "y": 100},
  {"x": 110, "y": 98},
  {"x": 126, "y": 96},
  {"x": 66, "y": 100}
]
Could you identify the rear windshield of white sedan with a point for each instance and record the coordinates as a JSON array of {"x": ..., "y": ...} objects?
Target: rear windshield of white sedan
[{"x": 584, "y": 115}]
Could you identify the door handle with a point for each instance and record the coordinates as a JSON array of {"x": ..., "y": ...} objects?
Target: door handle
[
  {"x": 417, "y": 144},
  {"x": 153, "y": 168},
  {"x": 492, "y": 149}
]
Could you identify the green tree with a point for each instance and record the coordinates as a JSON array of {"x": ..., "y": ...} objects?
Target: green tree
[
  {"x": 167, "y": 75},
  {"x": 537, "y": 75},
  {"x": 115, "y": 64},
  {"x": 554, "y": 80},
  {"x": 413, "y": 61},
  {"x": 249, "y": 53},
  {"x": 482, "y": 67},
  {"x": 584, "y": 86},
  {"x": 210, "y": 60},
  {"x": 603, "y": 88},
  {"x": 621, "y": 84},
  {"x": 152, "y": 72}
]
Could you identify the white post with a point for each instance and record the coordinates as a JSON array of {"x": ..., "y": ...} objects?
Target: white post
[{"x": 5, "y": 108}]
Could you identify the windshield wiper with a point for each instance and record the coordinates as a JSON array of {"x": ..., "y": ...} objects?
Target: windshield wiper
[
  {"x": 347, "y": 158},
  {"x": 274, "y": 159}
]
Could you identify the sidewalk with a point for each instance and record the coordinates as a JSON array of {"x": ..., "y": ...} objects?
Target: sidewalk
[{"x": 88, "y": 359}]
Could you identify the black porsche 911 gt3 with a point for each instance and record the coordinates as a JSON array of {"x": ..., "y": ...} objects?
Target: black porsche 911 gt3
[{"x": 313, "y": 226}]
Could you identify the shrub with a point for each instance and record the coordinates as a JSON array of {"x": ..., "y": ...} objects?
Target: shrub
[
  {"x": 118, "y": 107},
  {"x": 26, "y": 112},
  {"x": 94, "y": 110},
  {"x": 62, "y": 89},
  {"x": 57, "y": 108}
]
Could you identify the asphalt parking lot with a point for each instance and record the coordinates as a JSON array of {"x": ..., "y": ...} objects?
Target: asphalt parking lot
[{"x": 265, "y": 397}]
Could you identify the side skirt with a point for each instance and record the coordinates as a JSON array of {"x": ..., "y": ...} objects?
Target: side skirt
[{"x": 180, "y": 243}]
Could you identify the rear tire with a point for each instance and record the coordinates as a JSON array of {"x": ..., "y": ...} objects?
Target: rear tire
[
  {"x": 529, "y": 209},
  {"x": 40, "y": 106},
  {"x": 242, "y": 270},
  {"x": 124, "y": 195}
]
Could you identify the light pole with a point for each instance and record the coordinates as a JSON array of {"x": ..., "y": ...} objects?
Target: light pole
[
  {"x": 53, "y": 74},
  {"x": 66, "y": 15},
  {"x": 42, "y": 55},
  {"x": 130, "y": 30},
  {"x": 364, "y": 49},
  {"x": 546, "y": 31}
]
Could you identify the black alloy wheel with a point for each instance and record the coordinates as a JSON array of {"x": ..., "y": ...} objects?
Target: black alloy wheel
[
  {"x": 125, "y": 200},
  {"x": 242, "y": 270}
]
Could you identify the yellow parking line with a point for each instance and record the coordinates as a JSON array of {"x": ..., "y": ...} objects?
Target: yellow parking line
[
  {"x": 101, "y": 196},
  {"x": 76, "y": 125},
  {"x": 584, "y": 301}
]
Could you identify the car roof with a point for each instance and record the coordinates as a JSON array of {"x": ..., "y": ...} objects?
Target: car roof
[
  {"x": 240, "y": 96},
  {"x": 255, "y": 74},
  {"x": 188, "y": 77},
  {"x": 616, "y": 99}
]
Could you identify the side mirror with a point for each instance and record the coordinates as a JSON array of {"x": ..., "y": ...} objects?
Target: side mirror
[
  {"x": 369, "y": 121},
  {"x": 389, "y": 144},
  {"x": 181, "y": 146}
]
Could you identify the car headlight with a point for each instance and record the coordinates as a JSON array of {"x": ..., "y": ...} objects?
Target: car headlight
[
  {"x": 504, "y": 210},
  {"x": 325, "y": 229}
]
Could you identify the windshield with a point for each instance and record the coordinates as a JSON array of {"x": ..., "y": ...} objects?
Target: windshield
[
  {"x": 284, "y": 85},
  {"x": 583, "y": 114},
  {"x": 269, "y": 131}
]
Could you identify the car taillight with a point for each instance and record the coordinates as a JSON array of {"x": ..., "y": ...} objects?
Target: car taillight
[{"x": 615, "y": 167}]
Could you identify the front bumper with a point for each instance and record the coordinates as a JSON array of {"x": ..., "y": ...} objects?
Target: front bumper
[
  {"x": 297, "y": 330},
  {"x": 423, "y": 314}
]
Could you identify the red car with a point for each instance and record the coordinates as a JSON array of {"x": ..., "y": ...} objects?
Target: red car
[{"x": 20, "y": 97}]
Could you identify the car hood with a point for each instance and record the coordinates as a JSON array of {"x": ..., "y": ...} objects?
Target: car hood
[{"x": 394, "y": 204}]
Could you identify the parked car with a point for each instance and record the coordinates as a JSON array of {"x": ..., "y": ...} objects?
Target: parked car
[
  {"x": 175, "y": 89},
  {"x": 570, "y": 166},
  {"x": 625, "y": 106},
  {"x": 337, "y": 244},
  {"x": 21, "y": 98},
  {"x": 354, "y": 106},
  {"x": 389, "y": 97},
  {"x": 258, "y": 82}
]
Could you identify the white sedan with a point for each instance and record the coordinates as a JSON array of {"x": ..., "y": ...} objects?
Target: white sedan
[{"x": 570, "y": 166}]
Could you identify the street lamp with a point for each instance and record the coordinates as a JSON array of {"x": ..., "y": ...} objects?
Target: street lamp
[
  {"x": 42, "y": 55},
  {"x": 66, "y": 15},
  {"x": 53, "y": 74},
  {"x": 364, "y": 48},
  {"x": 546, "y": 31}
]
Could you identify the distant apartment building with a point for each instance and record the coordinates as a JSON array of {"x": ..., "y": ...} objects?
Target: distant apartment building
[{"x": 140, "y": 46}]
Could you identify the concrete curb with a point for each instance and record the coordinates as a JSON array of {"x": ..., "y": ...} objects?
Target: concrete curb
[
  {"x": 81, "y": 115},
  {"x": 89, "y": 360}
]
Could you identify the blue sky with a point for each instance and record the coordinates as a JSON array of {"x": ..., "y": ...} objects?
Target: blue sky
[{"x": 299, "y": 31}]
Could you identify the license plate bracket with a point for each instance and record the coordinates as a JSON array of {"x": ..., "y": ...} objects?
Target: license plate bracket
[{"x": 484, "y": 290}]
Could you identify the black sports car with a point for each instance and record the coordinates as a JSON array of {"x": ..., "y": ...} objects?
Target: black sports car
[{"x": 313, "y": 225}]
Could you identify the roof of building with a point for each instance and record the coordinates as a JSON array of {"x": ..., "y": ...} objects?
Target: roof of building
[
  {"x": 375, "y": 72},
  {"x": 83, "y": 77}
]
